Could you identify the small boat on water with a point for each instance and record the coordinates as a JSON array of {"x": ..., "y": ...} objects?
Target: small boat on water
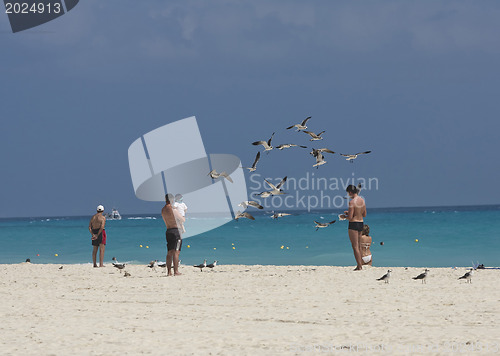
[{"x": 114, "y": 215}]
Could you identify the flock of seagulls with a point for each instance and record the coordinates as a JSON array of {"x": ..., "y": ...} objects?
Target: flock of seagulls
[
  {"x": 423, "y": 276},
  {"x": 386, "y": 277},
  {"x": 317, "y": 153},
  {"x": 204, "y": 265}
]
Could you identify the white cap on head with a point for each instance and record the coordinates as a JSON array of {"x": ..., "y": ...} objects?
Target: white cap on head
[{"x": 100, "y": 208}]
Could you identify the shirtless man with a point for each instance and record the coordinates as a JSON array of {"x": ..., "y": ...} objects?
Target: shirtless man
[
  {"x": 355, "y": 215},
  {"x": 96, "y": 228},
  {"x": 174, "y": 240}
]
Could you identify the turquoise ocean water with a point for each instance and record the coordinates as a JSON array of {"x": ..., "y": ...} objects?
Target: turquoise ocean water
[{"x": 447, "y": 237}]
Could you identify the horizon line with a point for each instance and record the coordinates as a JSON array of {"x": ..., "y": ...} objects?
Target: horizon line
[{"x": 326, "y": 209}]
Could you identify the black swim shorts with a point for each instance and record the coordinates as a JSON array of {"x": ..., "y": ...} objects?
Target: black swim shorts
[
  {"x": 356, "y": 225},
  {"x": 97, "y": 241},
  {"x": 174, "y": 240}
]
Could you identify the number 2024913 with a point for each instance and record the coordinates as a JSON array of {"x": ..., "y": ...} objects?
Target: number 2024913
[{"x": 35, "y": 8}]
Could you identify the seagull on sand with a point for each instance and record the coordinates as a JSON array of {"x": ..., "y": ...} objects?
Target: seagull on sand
[
  {"x": 351, "y": 158},
  {"x": 153, "y": 265},
  {"x": 385, "y": 277},
  {"x": 279, "y": 215},
  {"x": 288, "y": 145},
  {"x": 267, "y": 145},
  {"x": 254, "y": 165},
  {"x": 201, "y": 266},
  {"x": 422, "y": 276},
  {"x": 243, "y": 215},
  {"x": 247, "y": 203},
  {"x": 120, "y": 266},
  {"x": 468, "y": 276},
  {"x": 321, "y": 225},
  {"x": 212, "y": 265},
  {"x": 214, "y": 175},
  {"x": 301, "y": 126},
  {"x": 315, "y": 137}
]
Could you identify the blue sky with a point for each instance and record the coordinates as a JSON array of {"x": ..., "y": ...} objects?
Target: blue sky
[{"x": 415, "y": 82}]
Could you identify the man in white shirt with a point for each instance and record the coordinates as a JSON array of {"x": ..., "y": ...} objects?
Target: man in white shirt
[{"x": 181, "y": 207}]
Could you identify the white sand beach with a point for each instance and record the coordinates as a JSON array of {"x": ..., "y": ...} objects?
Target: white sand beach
[{"x": 246, "y": 310}]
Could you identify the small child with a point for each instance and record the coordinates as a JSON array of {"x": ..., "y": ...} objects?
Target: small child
[
  {"x": 181, "y": 208},
  {"x": 365, "y": 243}
]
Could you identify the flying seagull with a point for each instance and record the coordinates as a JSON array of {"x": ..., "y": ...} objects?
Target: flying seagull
[
  {"x": 247, "y": 203},
  {"x": 275, "y": 190},
  {"x": 264, "y": 194},
  {"x": 385, "y": 277},
  {"x": 212, "y": 265},
  {"x": 468, "y": 276},
  {"x": 254, "y": 165},
  {"x": 314, "y": 137},
  {"x": 214, "y": 175},
  {"x": 320, "y": 160},
  {"x": 267, "y": 145},
  {"x": 279, "y": 215},
  {"x": 120, "y": 266},
  {"x": 301, "y": 126},
  {"x": 316, "y": 151},
  {"x": 351, "y": 158},
  {"x": 288, "y": 145},
  {"x": 201, "y": 266},
  {"x": 243, "y": 215},
  {"x": 422, "y": 276},
  {"x": 321, "y": 225}
]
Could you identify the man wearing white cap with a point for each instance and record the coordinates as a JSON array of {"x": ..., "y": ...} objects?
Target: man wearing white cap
[{"x": 96, "y": 228}]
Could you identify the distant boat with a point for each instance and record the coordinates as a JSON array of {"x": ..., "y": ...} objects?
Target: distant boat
[{"x": 114, "y": 215}]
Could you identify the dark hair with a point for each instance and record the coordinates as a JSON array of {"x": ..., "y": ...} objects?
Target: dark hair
[
  {"x": 352, "y": 189},
  {"x": 169, "y": 198},
  {"x": 366, "y": 230}
]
